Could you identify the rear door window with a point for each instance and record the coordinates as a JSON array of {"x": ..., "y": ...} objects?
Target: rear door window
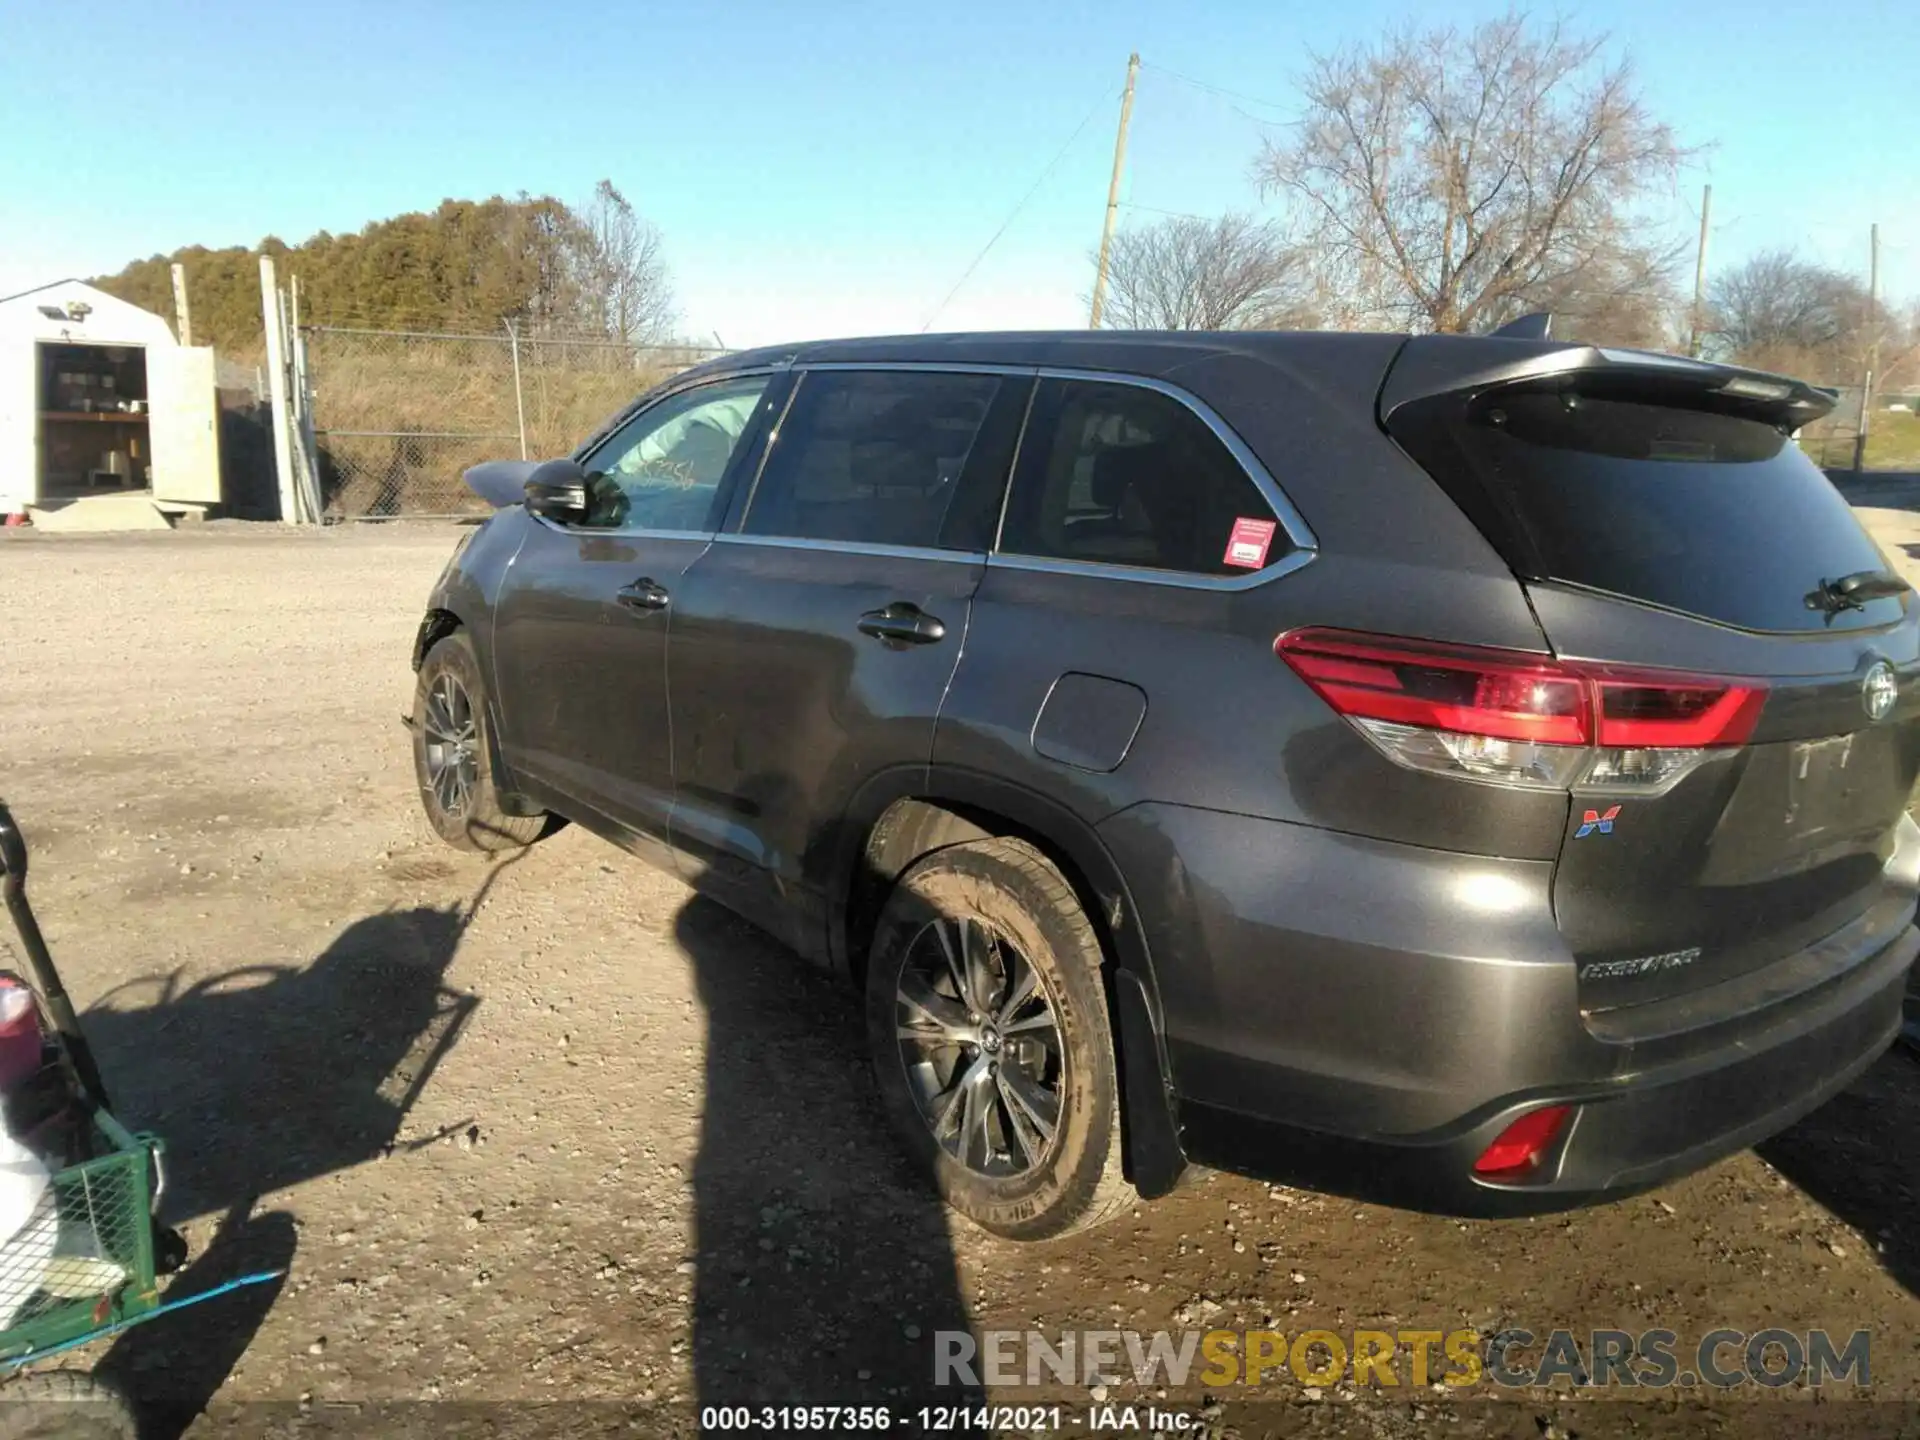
[
  {"x": 1118, "y": 474},
  {"x": 1706, "y": 513},
  {"x": 879, "y": 457}
]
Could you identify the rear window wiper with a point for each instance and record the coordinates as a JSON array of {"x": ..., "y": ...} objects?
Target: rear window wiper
[{"x": 1851, "y": 592}]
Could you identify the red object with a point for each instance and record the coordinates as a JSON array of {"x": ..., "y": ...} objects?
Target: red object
[
  {"x": 19, "y": 1033},
  {"x": 15, "y": 521},
  {"x": 1247, "y": 546},
  {"x": 1652, "y": 712},
  {"x": 1514, "y": 695},
  {"x": 1518, "y": 1148}
]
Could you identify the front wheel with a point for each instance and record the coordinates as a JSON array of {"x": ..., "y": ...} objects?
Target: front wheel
[
  {"x": 452, "y": 758},
  {"x": 987, "y": 1025}
]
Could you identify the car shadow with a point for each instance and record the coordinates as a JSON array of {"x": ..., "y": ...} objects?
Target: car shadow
[
  {"x": 825, "y": 1270},
  {"x": 1852, "y": 1157},
  {"x": 267, "y": 1076},
  {"x": 258, "y": 1079}
]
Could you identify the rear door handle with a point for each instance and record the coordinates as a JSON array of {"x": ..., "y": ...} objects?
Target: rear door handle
[
  {"x": 642, "y": 594},
  {"x": 903, "y": 623}
]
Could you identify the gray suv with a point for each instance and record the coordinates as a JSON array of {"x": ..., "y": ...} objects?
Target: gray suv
[{"x": 1468, "y": 773}]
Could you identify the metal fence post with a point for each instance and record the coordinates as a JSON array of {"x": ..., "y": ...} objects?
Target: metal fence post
[
  {"x": 309, "y": 448},
  {"x": 1861, "y": 428},
  {"x": 277, "y": 391},
  {"x": 519, "y": 401},
  {"x": 306, "y": 483}
]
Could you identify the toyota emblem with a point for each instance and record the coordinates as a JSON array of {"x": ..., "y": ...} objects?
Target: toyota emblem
[{"x": 1879, "y": 690}]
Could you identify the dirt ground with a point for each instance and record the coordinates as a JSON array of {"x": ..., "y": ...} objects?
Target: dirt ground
[{"x": 553, "y": 1131}]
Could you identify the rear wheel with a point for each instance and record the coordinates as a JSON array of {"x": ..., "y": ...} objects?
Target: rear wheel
[
  {"x": 451, "y": 756},
  {"x": 65, "y": 1405},
  {"x": 987, "y": 1024}
]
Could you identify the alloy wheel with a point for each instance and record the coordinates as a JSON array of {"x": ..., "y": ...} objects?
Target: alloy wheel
[
  {"x": 452, "y": 745},
  {"x": 980, "y": 1042}
]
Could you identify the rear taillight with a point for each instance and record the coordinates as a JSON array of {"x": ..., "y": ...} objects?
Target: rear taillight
[
  {"x": 1512, "y": 718},
  {"x": 1637, "y": 709}
]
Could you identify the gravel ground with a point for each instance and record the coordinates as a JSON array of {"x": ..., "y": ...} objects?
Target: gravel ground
[{"x": 553, "y": 1130}]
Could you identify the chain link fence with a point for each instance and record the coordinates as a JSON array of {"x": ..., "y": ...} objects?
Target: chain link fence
[
  {"x": 398, "y": 415},
  {"x": 1829, "y": 441}
]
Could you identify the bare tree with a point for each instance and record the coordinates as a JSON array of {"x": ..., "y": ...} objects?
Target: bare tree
[
  {"x": 1444, "y": 181},
  {"x": 1623, "y": 297},
  {"x": 1900, "y": 361},
  {"x": 1780, "y": 312},
  {"x": 622, "y": 270},
  {"x": 1233, "y": 273}
]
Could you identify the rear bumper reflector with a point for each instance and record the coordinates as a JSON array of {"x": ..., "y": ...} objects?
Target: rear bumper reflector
[{"x": 1517, "y": 1150}]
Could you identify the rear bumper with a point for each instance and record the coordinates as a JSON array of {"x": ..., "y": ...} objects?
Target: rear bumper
[
  {"x": 1621, "y": 1140},
  {"x": 1365, "y": 1018}
]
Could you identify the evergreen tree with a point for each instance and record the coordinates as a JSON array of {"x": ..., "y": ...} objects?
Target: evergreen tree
[{"x": 467, "y": 266}]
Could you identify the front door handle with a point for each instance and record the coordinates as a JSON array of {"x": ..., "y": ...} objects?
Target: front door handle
[
  {"x": 903, "y": 623},
  {"x": 642, "y": 594}
]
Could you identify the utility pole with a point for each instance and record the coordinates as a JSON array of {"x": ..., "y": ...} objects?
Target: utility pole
[
  {"x": 182, "y": 317},
  {"x": 1113, "y": 193},
  {"x": 1700, "y": 274},
  {"x": 1873, "y": 351}
]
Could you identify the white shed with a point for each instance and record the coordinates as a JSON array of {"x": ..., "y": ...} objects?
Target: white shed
[{"x": 97, "y": 396}]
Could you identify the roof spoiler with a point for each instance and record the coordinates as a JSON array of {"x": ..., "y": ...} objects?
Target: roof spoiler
[{"x": 1430, "y": 365}]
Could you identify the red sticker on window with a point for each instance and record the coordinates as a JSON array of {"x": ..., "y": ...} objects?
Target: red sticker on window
[{"x": 1247, "y": 546}]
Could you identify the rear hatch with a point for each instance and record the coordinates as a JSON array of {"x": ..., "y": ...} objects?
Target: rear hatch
[{"x": 1748, "y": 662}]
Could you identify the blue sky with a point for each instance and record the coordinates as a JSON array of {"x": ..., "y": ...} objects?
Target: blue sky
[{"x": 832, "y": 168}]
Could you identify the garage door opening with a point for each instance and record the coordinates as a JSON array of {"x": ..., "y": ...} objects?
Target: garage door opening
[{"x": 93, "y": 412}]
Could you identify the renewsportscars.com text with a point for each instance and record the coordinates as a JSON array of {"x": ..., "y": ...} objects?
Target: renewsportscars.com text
[{"x": 1515, "y": 1357}]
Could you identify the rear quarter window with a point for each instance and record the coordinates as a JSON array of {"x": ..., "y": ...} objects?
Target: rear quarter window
[
  {"x": 1711, "y": 514},
  {"x": 1118, "y": 474}
]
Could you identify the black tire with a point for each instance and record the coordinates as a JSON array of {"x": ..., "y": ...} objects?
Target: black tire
[
  {"x": 992, "y": 1161},
  {"x": 452, "y": 759},
  {"x": 65, "y": 1405}
]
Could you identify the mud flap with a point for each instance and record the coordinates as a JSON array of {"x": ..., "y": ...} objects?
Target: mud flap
[{"x": 1154, "y": 1159}]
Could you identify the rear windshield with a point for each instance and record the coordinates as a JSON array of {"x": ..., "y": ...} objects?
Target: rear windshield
[{"x": 1711, "y": 514}]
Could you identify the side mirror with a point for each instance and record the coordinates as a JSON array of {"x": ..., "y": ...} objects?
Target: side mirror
[{"x": 557, "y": 490}]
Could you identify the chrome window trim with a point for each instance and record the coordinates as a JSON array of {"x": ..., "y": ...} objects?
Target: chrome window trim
[
  {"x": 1291, "y": 520},
  {"x": 1305, "y": 545},
  {"x": 588, "y": 532},
  {"x": 957, "y": 367},
  {"x": 854, "y": 547},
  {"x": 1145, "y": 575}
]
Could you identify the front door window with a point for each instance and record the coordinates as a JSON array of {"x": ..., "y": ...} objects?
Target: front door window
[{"x": 663, "y": 470}]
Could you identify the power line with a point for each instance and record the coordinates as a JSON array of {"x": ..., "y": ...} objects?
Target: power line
[
  {"x": 1219, "y": 90},
  {"x": 1156, "y": 210},
  {"x": 1014, "y": 214}
]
